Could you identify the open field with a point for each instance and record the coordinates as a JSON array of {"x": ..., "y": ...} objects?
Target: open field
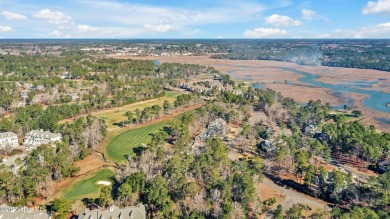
[
  {"x": 88, "y": 187},
  {"x": 123, "y": 144},
  {"x": 273, "y": 74},
  {"x": 115, "y": 115}
]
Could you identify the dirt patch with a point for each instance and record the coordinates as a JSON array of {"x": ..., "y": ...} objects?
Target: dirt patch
[
  {"x": 266, "y": 192},
  {"x": 90, "y": 163}
]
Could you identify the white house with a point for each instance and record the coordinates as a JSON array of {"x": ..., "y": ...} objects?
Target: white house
[
  {"x": 8, "y": 139},
  {"x": 39, "y": 137}
]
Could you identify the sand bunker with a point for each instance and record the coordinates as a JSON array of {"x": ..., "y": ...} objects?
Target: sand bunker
[{"x": 106, "y": 183}]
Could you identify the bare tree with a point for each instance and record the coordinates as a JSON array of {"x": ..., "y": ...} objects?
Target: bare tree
[
  {"x": 237, "y": 212},
  {"x": 216, "y": 200}
]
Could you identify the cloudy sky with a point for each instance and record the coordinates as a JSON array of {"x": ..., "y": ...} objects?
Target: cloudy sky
[{"x": 194, "y": 19}]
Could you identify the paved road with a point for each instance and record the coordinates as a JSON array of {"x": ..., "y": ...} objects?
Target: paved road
[{"x": 293, "y": 197}]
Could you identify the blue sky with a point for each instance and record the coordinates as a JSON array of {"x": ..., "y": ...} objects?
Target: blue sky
[{"x": 194, "y": 19}]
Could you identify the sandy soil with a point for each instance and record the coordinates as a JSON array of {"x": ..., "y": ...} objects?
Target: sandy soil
[
  {"x": 294, "y": 197},
  {"x": 270, "y": 73},
  {"x": 105, "y": 183}
]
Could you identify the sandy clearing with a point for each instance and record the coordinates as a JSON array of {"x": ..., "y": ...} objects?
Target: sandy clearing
[{"x": 294, "y": 197}]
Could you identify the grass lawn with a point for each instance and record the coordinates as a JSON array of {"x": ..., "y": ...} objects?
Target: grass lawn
[
  {"x": 88, "y": 188},
  {"x": 123, "y": 144},
  {"x": 116, "y": 115}
]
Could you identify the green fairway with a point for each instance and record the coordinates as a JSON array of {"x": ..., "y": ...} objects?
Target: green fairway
[
  {"x": 117, "y": 114},
  {"x": 123, "y": 144},
  {"x": 88, "y": 188}
]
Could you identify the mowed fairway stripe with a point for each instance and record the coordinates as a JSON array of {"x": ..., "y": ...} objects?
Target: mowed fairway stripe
[{"x": 124, "y": 143}]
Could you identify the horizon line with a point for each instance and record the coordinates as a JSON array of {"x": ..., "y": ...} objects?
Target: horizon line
[{"x": 2, "y": 39}]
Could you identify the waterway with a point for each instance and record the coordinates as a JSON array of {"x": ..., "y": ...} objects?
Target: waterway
[{"x": 376, "y": 100}]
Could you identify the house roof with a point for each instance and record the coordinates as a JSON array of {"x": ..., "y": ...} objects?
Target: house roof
[
  {"x": 43, "y": 134},
  {"x": 7, "y": 135},
  {"x": 7, "y": 212},
  {"x": 134, "y": 212}
]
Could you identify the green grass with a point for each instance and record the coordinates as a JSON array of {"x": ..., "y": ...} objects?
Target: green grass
[
  {"x": 88, "y": 188},
  {"x": 123, "y": 144},
  {"x": 117, "y": 114}
]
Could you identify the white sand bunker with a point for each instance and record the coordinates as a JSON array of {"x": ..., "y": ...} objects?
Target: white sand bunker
[{"x": 106, "y": 183}]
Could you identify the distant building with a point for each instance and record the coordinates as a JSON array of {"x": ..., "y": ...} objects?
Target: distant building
[
  {"x": 74, "y": 97},
  {"x": 8, "y": 139},
  {"x": 39, "y": 137},
  {"x": 12, "y": 163},
  {"x": 217, "y": 128},
  {"x": 65, "y": 75},
  {"x": 383, "y": 165},
  {"x": 7, "y": 212},
  {"x": 134, "y": 212},
  {"x": 24, "y": 94},
  {"x": 310, "y": 129},
  {"x": 266, "y": 146}
]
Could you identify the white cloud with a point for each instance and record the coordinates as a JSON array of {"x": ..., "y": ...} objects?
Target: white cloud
[
  {"x": 13, "y": 16},
  {"x": 380, "y": 6},
  {"x": 142, "y": 15},
  {"x": 5, "y": 28},
  {"x": 308, "y": 14},
  {"x": 384, "y": 25},
  {"x": 54, "y": 17},
  {"x": 266, "y": 33},
  {"x": 323, "y": 36},
  {"x": 85, "y": 29},
  {"x": 56, "y": 34},
  {"x": 163, "y": 28},
  {"x": 282, "y": 21},
  {"x": 377, "y": 31}
]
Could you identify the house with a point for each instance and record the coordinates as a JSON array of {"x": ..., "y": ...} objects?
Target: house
[
  {"x": 8, "y": 139},
  {"x": 39, "y": 137},
  {"x": 382, "y": 166},
  {"x": 310, "y": 129},
  {"x": 65, "y": 75},
  {"x": 217, "y": 128},
  {"x": 7, "y": 212},
  {"x": 134, "y": 212},
  {"x": 24, "y": 95},
  {"x": 74, "y": 97},
  {"x": 266, "y": 146},
  {"x": 14, "y": 162}
]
